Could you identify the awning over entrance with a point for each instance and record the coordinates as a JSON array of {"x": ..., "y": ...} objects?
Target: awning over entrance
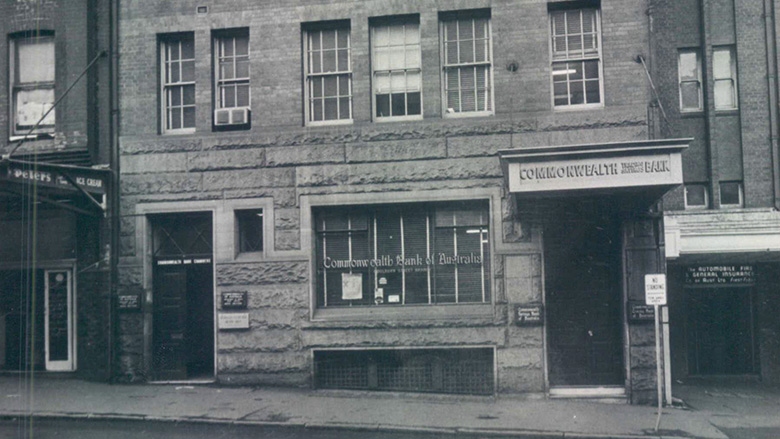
[
  {"x": 654, "y": 166},
  {"x": 52, "y": 181}
]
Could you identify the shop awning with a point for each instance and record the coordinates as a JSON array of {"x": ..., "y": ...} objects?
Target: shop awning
[
  {"x": 650, "y": 166},
  {"x": 54, "y": 180}
]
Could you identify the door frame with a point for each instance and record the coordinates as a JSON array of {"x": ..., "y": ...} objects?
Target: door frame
[
  {"x": 68, "y": 365},
  {"x": 144, "y": 241},
  {"x": 596, "y": 390}
]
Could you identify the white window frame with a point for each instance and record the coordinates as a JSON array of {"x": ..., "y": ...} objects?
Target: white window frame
[
  {"x": 598, "y": 57},
  {"x": 733, "y": 69},
  {"x": 699, "y": 80},
  {"x": 308, "y": 99},
  {"x": 706, "y": 197},
  {"x": 443, "y": 51},
  {"x": 219, "y": 40},
  {"x": 16, "y": 84},
  {"x": 165, "y": 43},
  {"x": 741, "y": 187},
  {"x": 405, "y": 70}
]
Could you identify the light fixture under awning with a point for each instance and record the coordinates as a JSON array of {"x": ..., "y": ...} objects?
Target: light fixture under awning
[{"x": 654, "y": 164}]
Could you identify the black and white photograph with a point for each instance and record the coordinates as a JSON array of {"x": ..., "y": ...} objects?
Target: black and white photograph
[{"x": 390, "y": 219}]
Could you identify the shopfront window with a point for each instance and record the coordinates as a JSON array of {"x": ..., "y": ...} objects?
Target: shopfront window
[{"x": 403, "y": 254}]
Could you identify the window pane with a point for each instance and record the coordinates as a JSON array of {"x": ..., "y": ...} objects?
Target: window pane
[
  {"x": 242, "y": 45},
  {"x": 36, "y": 61},
  {"x": 721, "y": 63},
  {"x": 591, "y": 69},
  {"x": 330, "y": 86},
  {"x": 343, "y": 60},
  {"x": 381, "y": 59},
  {"x": 382, "y": 105},
  {"x": 592, "y": 92},
  {"x": 329, "y": 61},
  {"x": 315, "y": 63},
  {"x": 188, "y": 94},
  {"x": 398, "y": 81},
  {"x": 188, "y": 71},
  {"x": 729, "y": 193},
  {"x": 724, "y": 94},
  {"x": 690, "y": 97},
  {"x": 695, "y": 195},
  {"x": 331, "y": 108},
  {"x": 397, "y": 57},
  {"x": 452, "y": 53},
  {"x": 382, "y": 83},
  {"x": 175, "y": 118},
  {"x": 250, "y": 230},
  {"x": 242, "y": 95},
  {"x": 316, "y": 87},
  {"x": 466, "y": 51},
  {"x": 689, "y": 66},
  {"x": 343, "y": 38},
  {"x": 413, "y": 104},
  {"x": 345, "y": 110},
  {"x": 189, "y": 117},
  {"x": 412, "y": 33},
  {"x": 226, "y": 69},
  {"x": 174, "y": 73},
  {"x": 229, "y": 96},
  {"x": 32, "y": 104},
  {"x": 242, "y": 68},
  {"x": 317, "y": 109},
  {"x": 577, "y": 93},
  {"x": 344, "y": 85},
  {"x": 329, "y": 39},
  {"x": 399, "y": 104},
  {"x": 187, "y": 48}
]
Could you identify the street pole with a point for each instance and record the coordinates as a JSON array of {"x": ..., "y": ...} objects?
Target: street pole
[{"x": 659, "y": 377}]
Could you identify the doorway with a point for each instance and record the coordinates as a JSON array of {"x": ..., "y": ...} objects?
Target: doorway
[
  {"x": 37, "y": 320},
  {"x": 183, "y": 312},
  {"x": 721, "y": 331},
  {"x": 583, "y": 299}
]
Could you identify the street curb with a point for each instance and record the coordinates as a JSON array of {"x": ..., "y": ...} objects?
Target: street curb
[{"x": 388, "y": 428}]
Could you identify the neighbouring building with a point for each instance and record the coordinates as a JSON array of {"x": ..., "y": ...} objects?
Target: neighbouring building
[
  {"x": 441, "y": 196},
  {"x": 55, "y": 143},
  {"x": 715, "y": 63}
]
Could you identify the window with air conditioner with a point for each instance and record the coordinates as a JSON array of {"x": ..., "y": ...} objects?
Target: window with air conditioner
[{"x": 232, "y": 100}]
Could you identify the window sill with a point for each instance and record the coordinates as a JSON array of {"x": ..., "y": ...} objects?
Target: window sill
[
  {"x": 578, "y": 107},
  {"x": 398, "y": 119},
  {"x": 405, "y": 312},
  {"x": 327, "y": 123},
  {"x": 726, "y": 112},
  {"x": 691, "y": 113},
  {"x": 250, "y": 256},
  {"x": 467, "y": 114},
  {"x": 179, "y": 132}
]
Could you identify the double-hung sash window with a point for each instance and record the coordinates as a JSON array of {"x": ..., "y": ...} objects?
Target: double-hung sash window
[
  {"x": 178, "y": 83},
  {"x": 689, "y": 71},
  {"x": 32, "y": 83},
  {"x": 414, "y": 254},
  {"x": 232, "y": 71},
  {"x": 397, "y": 70},
  {"x": 467, "y": 61},
  {"x": 328, "y": 74},
  {"x": 576, "y": 58},
  {"x": 724, "y": 72}
]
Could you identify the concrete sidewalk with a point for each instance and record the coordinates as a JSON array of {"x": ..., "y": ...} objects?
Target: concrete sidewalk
[{"x": 506, "y": 416}]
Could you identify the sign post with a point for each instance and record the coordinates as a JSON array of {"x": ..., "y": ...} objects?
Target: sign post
[{"x": 655, "y": 294}]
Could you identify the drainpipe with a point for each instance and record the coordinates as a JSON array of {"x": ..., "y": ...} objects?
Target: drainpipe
[
  {"x": 771, "y": 78},
  {"x": 114, "y": 195}
]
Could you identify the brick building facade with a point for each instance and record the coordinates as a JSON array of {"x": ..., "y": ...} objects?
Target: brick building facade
[
  {"x": 54, "y": 251},
  {"x": 320, "y": 194},
  {"x": 715, "y": 64}
]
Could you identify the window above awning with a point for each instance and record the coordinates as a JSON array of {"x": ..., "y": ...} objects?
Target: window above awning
[{"x": 651, "y": 166}]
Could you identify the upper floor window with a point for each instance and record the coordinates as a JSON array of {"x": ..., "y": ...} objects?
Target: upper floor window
[
  {"x": 31, "y": 62},
  {"x": 724, "y": 72},
  {"x": 467, "y": 61},
  {"x": 396, "y": 62},
  {"x": 576, "y": 58},
  {"x": 696, "y": 196},
  {"x": 403, "y": 254},
  {"x": 689, "y": 72},
  {"x": 250, "y": 230},
  {"x": 328, "y": 68},
  {"x": 231, "y": 79},
  {"x": 178, "y": 83}
]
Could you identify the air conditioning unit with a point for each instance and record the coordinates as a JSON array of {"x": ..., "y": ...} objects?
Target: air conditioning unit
[{"x": 231, "y": 116}]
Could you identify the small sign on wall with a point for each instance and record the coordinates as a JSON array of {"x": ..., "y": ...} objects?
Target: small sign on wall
[
  {"x": 710, "y": 275},
  {"x": 128, "y": 302},
  {"x": 638, "y": 312},
  {"x": 234, "y": 300},
  {"x": 529, "y": 315},
  {"x": 233, "y": 320}
]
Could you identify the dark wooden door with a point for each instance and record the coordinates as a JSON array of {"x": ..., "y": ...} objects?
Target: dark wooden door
[
  {"x": 583, "y": 296},
  {"x": 169, "y": 324}
]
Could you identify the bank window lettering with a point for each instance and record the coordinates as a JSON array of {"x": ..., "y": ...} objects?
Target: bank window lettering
[
  {"x": 178, "y": 83},
  {"x": 250, "y": 230},
  {"x": 467, "y": 61},
  {"x": 576, "y": 57},
  {"x": 328, "y": 67},
  {"x": 32, "y": 84},
  {"x": 724, "y": 72},
  {"x": 403, "y": 255},
  {"x": 690, "y": 77},
  {"x": 396, "y": 62}
]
